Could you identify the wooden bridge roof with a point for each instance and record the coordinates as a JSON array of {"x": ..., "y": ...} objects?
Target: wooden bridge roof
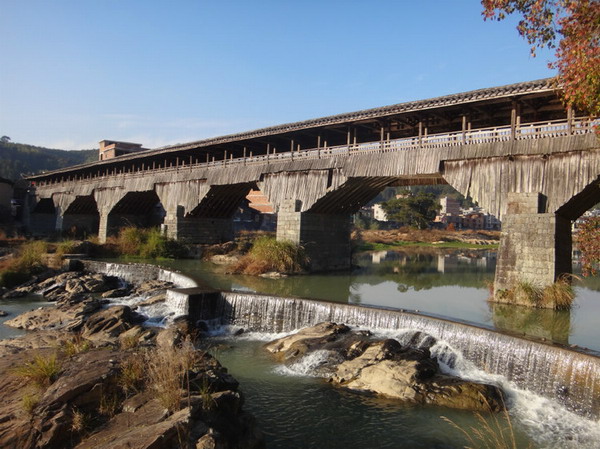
[{"x": 480, "y": 96}]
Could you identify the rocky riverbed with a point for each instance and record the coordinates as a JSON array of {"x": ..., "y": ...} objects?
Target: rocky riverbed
[
  {"x": 355, "y": 360},
  {"x": 91, "y": 375}
]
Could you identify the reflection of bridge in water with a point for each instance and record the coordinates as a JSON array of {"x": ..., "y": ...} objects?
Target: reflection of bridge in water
[{"x": 513, "y": 149}]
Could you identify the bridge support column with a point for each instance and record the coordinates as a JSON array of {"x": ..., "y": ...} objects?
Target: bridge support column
[
  {"x": 192, "y": 229},
  {"x": 326, "y": 238},
  {"x": 534, "y": 247},
  {"x": 103, "y": 225}
]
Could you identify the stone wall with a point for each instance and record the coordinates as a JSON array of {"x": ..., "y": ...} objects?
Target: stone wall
[
  {"x": 199, "y": 230},
  {"x": 534, "y": 247},
  {"x": 326, "y": 238}
]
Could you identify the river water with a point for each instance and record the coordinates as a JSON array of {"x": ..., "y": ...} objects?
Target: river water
[{"x": 450, "y": 284}]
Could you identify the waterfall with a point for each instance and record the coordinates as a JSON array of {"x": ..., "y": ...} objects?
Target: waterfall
[
  {"x": 138, "y": 272},
  {"x": 572, "y": 378}
]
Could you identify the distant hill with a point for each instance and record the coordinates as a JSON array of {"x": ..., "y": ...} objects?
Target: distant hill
[{"x": 18, "y": 158}]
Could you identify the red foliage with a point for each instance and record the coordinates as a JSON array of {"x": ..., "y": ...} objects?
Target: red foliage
[
  {"x": 577, "y": 22},
  {"x": 588, "y": 240}
]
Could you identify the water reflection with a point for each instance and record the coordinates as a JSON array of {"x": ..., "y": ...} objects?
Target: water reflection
[{"x": 553, "y": 325}]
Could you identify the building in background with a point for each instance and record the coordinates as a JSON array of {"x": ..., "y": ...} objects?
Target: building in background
[{"x": 114, "y": 148}]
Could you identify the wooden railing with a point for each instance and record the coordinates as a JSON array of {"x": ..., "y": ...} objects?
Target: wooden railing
[{"x": 507, "y": 133}]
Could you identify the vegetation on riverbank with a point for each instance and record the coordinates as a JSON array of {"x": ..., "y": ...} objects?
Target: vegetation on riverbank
[
  {"x": 144, "y": 243},
  {"x": 26, "y": 262},
  {"x": 382, "y": 240},
  {"x": 268, "y": 254}
]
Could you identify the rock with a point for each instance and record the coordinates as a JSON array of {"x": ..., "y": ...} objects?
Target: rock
[
  {"x": 74, "y": 286},
  {"x": 3, "y": 313},
  {"x": 135, "y": 336},
  {"x": 169, "y": 338},
  {"x": 412, "y": 375},
  {"x": 69, "y": 310},
  {"x": 295, "y": 345},
  {"x": 116, "y": 293},
  {"x": 224, "y": 259},
  {"x": 106, "y": 325},
  {"x": 151, "y": 286},
  {"x": 18, "y": 292},
  {"x": 273, "y": 275},
  {"x": 154, "y": 299},
  {"x": 385, "y": 367}
]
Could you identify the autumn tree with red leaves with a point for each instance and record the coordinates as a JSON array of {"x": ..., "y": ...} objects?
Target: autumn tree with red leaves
[
  {"x": 573, "y": 28},
  {"x": 588, "y": 241}
]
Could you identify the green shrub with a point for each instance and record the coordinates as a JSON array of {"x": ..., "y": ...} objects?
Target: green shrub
[{"x": 147, "y": 244}]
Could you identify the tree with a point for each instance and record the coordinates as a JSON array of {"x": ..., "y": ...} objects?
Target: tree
[
  {"x": 412, "y": 210},
  {"x": 4, "y": 139},
  {"x": 573, "y": 28},
  {"x": 588, "y": 241}
]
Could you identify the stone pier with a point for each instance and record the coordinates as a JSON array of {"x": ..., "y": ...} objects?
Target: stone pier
[
  {"x": 325, "y": 238},
  {"x": 192, "y": 229},
  {"x": 535, "y": 247}
]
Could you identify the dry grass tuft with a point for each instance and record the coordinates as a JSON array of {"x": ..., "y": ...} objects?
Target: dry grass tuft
[
  {"x": 268, "y": 254},
  {"x": 168, "y": 373},
  {"x": 493, "y": 431},
  {"x": 133, "y": 374},
  {"x": 42, "y": 371},
  {"x": 558, "y": 295},
  {"x": 30, "y": 402},
  {"x": 76, "y": 345}
]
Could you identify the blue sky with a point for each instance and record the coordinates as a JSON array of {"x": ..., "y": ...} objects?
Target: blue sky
[{"x": 164, "y": 72}]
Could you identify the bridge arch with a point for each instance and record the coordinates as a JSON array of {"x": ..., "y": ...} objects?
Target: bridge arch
[
  {"x": 139, "y": 209},
  {"x": 81, "y": 217}
]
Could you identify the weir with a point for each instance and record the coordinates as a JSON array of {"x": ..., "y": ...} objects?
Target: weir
[{"x": 569, "y": 377}]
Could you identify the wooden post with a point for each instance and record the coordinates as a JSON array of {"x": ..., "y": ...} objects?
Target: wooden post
[
  {"x": 244, "y": 155},
  {"x": 225, "y": 157},
  {"x": 464, "y": 128},
  {"x": 292, "y": 146},
  {"x": 569, "y": 119},
  {"x": 348, "y": 141},
  {"x": 268, "y": 150},
  {"x": 207, "y": 159},
  {"x": 190, "y": 160},
  {"x": 319, "y": 141},
  {"x": 513, "y": 121},
  {"x": 420, "y": 133}
]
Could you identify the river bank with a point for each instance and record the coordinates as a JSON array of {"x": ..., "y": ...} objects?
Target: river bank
[{"x": 90, "y": 372}]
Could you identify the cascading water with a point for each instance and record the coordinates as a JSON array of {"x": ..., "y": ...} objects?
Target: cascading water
[{"x": 570, "y": 377}]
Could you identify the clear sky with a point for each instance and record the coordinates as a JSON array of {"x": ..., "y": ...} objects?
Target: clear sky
[{"x": 161, "y": 72}]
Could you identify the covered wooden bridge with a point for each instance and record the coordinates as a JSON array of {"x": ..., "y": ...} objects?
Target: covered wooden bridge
[{"x": 514, "y": 149}]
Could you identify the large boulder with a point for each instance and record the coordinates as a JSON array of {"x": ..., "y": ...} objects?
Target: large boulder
[{"x": 385, "y": 367}]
